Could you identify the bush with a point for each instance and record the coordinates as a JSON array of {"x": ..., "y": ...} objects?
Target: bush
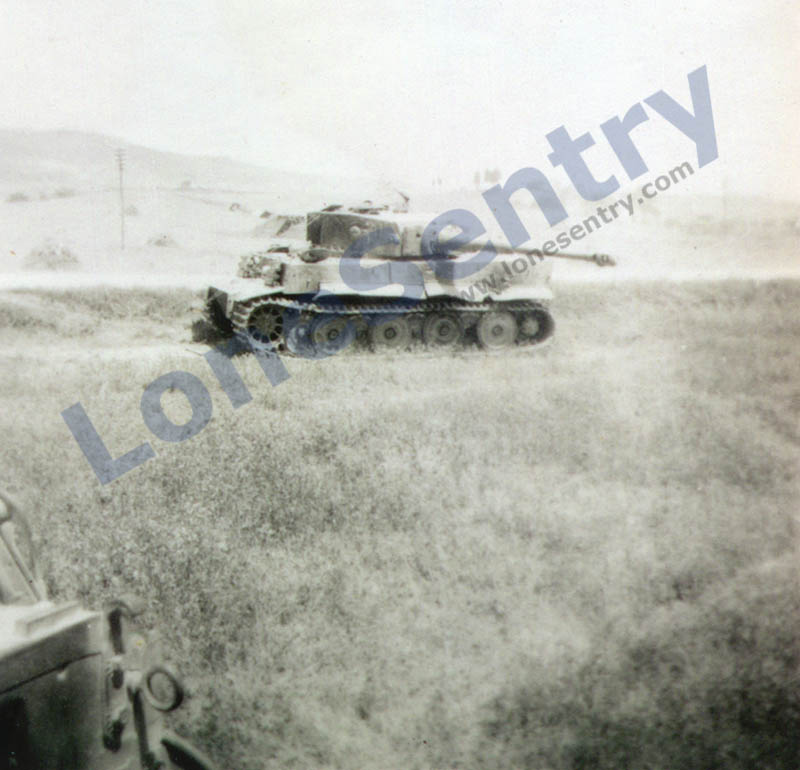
[
  {"x": 165, "y": 241},
  {"x": 51, "y": 256},
  {"x": 17, "y": 197}
]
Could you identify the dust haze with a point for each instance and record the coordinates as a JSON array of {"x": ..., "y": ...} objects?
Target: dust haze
[{"x": 579, "y": 555}]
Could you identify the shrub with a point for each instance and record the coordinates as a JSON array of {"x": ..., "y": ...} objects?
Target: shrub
[
  {"x": 164, "y": 241},
  {"x": 51, "y": 256}
]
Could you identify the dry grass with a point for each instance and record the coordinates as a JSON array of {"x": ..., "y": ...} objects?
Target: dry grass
[
  {"x": 99, "y": 305},
  {"x": 578, "y": 558}
]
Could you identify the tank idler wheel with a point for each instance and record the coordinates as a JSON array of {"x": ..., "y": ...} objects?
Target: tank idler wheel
[
  {"x": 442, "y": 330},
  {"x": 497, "y": 329},
  {"x": 265, "y": 324},
  {"x": 535, "y": 326},
  {"x": 390, "y": 335},
  {"x": 332, "y": 333}
]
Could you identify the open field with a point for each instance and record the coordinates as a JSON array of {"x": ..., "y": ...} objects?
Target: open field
[{"x": 580, "y": 557}]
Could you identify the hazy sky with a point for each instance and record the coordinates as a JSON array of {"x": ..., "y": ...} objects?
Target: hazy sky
[{"x": 410, "y": 90}]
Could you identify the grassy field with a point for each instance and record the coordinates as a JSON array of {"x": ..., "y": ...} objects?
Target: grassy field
[{"x": 581, "y": 557}]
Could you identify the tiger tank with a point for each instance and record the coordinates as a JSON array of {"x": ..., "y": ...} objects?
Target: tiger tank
[{"x": 367, "y": 277}]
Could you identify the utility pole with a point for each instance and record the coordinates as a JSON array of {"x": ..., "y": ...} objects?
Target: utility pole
[{"x": 120, "y": 155}]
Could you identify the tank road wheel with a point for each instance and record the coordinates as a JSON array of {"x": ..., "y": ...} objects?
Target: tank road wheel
[
  {"x": 442, "y": 330},
  {"x": 332, "y": 333},
  {"x": 497, "y": 329},
  {"x": 362, "y": 330},
  {"x": 535, "y": 326},
  {"x": 265, "y": 323},
  {"x": 298, "y": 336},
  {"x": 390, "y": 335}
]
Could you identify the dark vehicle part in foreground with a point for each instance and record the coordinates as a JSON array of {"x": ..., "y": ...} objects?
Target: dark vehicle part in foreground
[
  {"x": 294, "y": 296},
  {"x": 78, "y": 690}
]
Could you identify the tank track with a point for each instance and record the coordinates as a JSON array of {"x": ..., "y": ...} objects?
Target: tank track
[{"x": 532, "y": 323}]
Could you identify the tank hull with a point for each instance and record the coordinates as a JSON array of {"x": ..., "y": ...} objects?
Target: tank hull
[
  {"x": 306, "y": 295},
  {"x": 386, "y": 281}
]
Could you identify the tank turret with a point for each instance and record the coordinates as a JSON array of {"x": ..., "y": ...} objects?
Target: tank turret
[{"x": 371, "y": 277}]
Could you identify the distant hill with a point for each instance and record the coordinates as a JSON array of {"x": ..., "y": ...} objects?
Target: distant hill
[
  {"x": 35, "y": 163},
  {"x": 184, "y": 213}
]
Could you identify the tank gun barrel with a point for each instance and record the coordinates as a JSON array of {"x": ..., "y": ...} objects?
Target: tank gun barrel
[{"x": 602, "y": 260}]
